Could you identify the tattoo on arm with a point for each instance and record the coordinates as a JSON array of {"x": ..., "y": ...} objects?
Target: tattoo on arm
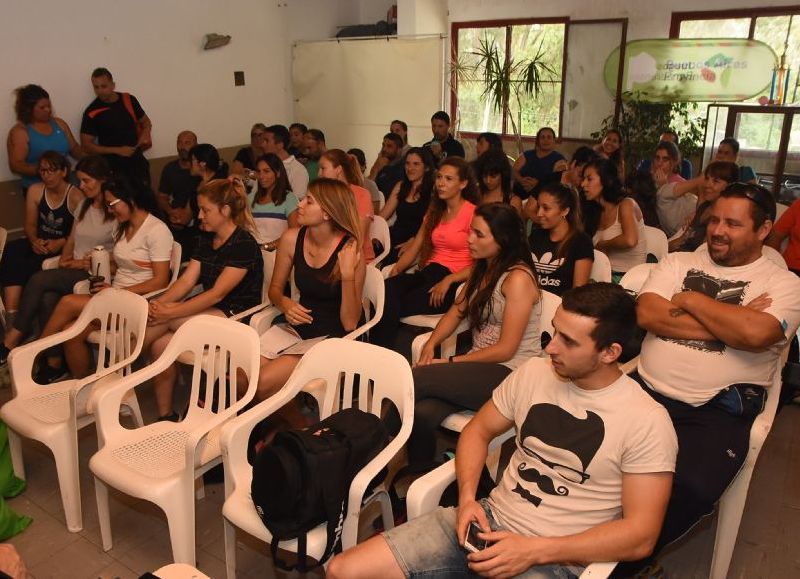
[{"x": 676, "y": 312}]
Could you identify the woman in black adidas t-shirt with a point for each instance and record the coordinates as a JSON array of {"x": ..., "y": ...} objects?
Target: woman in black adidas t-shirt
[
  {"x": 562, "y": 253},
  {"x": 227, "y": 263}
]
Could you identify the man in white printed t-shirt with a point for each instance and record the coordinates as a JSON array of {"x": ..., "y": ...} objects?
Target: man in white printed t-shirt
[
  {"x": 589, "y": 479},
  {"x": 717, "y": 321},
  {"x": 276, "y": 140}
]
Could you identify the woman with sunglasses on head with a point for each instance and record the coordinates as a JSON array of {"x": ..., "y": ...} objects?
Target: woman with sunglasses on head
[
  {"x": 93, "y": 226},
  {"x": 227, "y": 263},
  {"x": 440, "y": 247},
  {"x": 499, "y": 302},
  {"x": 273, "y": 204},
  {"x": 562, "y": 253},
  {"x": 50, "y": 207},
  {"x": 409, "y": 200},
  {"x": 139, "y": 263},
  {"x": 329, "y": 271},
  {"x": 620, "y": 232}
]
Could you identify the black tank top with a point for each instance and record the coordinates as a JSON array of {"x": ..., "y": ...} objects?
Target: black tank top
[
  {"x": 318, "y": 292},
  {"x": 409, "y": 219},
  {"x": 54, "y": 223}
]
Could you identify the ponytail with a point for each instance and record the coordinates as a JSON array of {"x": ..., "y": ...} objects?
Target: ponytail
[{"x": 230, "y": 192}]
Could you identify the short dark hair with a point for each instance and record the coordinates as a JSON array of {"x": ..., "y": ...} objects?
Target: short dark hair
[
  {"x": 728, "y": 172},
  {"x": 762, "y": 206},
  {"x": 360, "y": 157},
  {"x": 56, "y": 160},
  {"x": 494, "y": 140},
  {"x": 316, "y": 134},
  {"x": 102, "y": 71},
  {"x": 395, "y": 138},
  {"x": 731, "y": 142},
  {"x": 281, "y": 134},
  {"x": 584, "y": 154},
  {"x": 674, "y": 135},
  {"x": 441, "y": 116},
  {"x": 27, "y": 97},
  {"x": 612, "y": 308},
  {"x": 401, "y": 123},
  {"x": 300, "y": 126}
]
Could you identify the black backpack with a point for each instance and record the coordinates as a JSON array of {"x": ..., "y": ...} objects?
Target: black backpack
[{"x": 303, "y": 478}]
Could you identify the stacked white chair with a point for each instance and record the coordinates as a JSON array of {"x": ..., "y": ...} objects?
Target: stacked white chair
[
  {"x": 379, "y": 230},
  {"x": 3, "y": 238},
  {"x": 601, "y": 267},
  {"x": 329, "y": 371},
  {"x": 53, "y": 414},
  {"x": 160, "y": 462},
  {"x": 656, "y": 243}
]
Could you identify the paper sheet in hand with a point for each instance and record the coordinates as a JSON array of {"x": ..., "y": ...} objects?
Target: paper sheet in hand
[{"x": 283, "y": 339}]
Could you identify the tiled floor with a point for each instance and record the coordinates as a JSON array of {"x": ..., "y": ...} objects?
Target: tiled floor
[{"x": 767, "y": 547}]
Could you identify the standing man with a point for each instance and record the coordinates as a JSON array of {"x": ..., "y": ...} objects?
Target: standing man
[
  {"x": 730, "y": 311},
  {"x": 314, "y": 141},
  {"x": 177, "y": 185},
  {"x": 443, "y": 144},
  {"x": 115, "y": 125},
  {"x": 388, "y": 168},
  {"x": 589, "y": 478},
  {"x": 277, "y": 140}
]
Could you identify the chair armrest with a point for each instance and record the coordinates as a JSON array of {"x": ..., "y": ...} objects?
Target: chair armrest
[
  {"x": 630, "y": 365},
  {"x": 51, "y": 262},
  {"x": 249, "y": 312},
  {"x": 262, "y": 321},
  {"x": 417, "y": 345},
  {"x": 598, "y": 570},
  {"x": 425, "y": 493},
  {"x": 81, "y": 287}
]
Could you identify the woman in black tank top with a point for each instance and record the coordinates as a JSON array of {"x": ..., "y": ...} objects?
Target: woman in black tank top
[{"x": 329, "y": 272}]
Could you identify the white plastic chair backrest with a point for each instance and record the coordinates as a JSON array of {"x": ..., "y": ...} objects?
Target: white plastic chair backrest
[
  {"x": 774, "y": 255},
  {"x": 550, "y": 303},
  {"x": 780, "y": 208},
  {"x": 175, "y": 262},
  {"x": 219, "y": 348},
  {"x": 656, "y": 243},
  {"x": 634, "y": 278},
  {"x": 601, "y": 267},
  {"x": 51, "y": 262},
  {"x": 269, "y": 267},
  {"x": 379, "y": 230}
]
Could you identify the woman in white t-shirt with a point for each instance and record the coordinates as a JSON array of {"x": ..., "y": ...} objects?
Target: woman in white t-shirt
[
  {"x": 140, "y": 260},
  {"x": 620, "y": 234}
]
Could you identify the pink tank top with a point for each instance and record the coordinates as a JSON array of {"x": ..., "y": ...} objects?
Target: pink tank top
[{"x": 450, "y": 240}]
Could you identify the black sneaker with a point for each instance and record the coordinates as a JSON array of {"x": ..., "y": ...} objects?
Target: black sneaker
[
  {"x": 4, "y": 352},
  {"x": 47, "y": 374},
  {"x": 171, "y": 417}
]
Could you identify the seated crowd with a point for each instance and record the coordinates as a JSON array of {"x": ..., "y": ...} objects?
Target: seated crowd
[{"x": 606, "y": 466}]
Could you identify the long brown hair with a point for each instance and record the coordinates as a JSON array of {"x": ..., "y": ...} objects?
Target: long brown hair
[
  {"x": 97, "y": 168},
  {"x": 337, "y": 200},
  {"x": 341, "y": 159},
  {"x": 230, "y": 192},
  {"x": 437, "y": 206},
  {"x": 565, "y": 198}
]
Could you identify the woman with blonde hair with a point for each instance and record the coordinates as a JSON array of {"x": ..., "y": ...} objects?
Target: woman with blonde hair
[
  {"x": 336, "y": 164},
  {"x": 227, "y": 262},
  {"x": 329, "y": 272}
]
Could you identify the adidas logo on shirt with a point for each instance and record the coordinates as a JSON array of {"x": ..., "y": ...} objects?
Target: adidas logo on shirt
[{"x": 547, "y": 264}]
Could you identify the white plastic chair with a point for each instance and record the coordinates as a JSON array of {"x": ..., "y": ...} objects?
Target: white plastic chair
[
  {"x": 373, "y": 294},
  {"x": 418, "y": 320},
  {"x": 269, "y": 265},
  {"x": 732, "y": 503},
  {"x": 54, "y": 413},
  {"x": 425, "y": 493},
  {"x": 82, "y": 287},
  {"x": 160, "y": 462},
  {"x": 328, "y": 371},
  {"x": 601, "y": 267},
  {"x": 634, "y": 278},
  {"x": 780, "y": 209},
  {"x": 379, "y": 230},
  {"x": 656, "y": 243},
  {"x": 458, "y": 420}
]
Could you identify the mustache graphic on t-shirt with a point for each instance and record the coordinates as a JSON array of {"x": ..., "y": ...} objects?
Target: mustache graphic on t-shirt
[{"x": 544, "y": 482}]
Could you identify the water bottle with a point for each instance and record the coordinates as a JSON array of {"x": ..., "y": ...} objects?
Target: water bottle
[{"x": 101, "y": 263}]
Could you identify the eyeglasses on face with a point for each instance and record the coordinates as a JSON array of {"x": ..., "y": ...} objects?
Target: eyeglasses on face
[
  {"x": 111, "y": 204},
  {"x": 48, "y": 170}
]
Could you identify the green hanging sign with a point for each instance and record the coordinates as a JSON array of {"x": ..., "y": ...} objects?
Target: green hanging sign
[{"x": 716, "y": 69}]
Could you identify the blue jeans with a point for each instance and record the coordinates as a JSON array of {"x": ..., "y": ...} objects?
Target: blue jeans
[{"x": 428, "y": 547}]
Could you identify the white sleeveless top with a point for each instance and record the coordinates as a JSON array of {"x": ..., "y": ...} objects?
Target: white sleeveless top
[
  {"x": 92, "y": 231},
  {"x": 624, "y": 259},
  {"x": 530, "y": 344}
]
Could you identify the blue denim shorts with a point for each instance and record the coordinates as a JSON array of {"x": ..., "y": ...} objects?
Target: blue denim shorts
[{"x": 428, "y": 547}]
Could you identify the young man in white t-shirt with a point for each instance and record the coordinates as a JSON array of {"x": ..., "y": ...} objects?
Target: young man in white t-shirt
[
  {"x": 717, "y": 320},
  {"x": 590, "y": 477}
]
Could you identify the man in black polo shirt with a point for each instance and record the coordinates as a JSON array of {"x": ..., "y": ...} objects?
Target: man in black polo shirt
[
  {"x": 443, "y": 144},
  {"x": 177, "y": 195},
  {"x": 388, "y": 168},
  {"x": 115, "y": 125}
]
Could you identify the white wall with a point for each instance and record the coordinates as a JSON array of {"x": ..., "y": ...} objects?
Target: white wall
[
  {"x": 154, "y": 50},
  {"x": 422, "y": 17},
  {"x": 371, "y": 11},
  {"x": 647, "y": 18}
]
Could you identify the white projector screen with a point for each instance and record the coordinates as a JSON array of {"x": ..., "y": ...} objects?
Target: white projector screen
[{"x": 353, "y": 89}]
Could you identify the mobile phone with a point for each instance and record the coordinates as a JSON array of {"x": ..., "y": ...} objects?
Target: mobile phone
[{"x": 472, "y": 543}]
